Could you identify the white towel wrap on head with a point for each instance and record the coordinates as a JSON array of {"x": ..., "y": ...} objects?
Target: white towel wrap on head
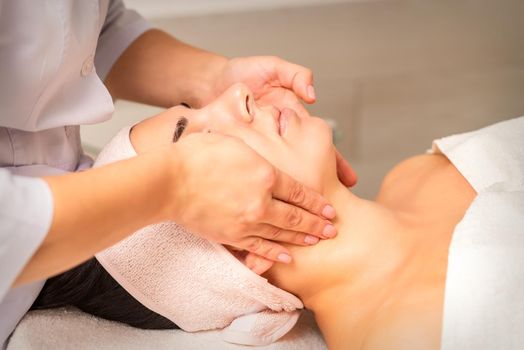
[{"x": 193, "y": 282}]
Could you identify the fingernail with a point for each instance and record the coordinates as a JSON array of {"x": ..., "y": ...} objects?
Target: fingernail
[
  {"x": 311, "y": 92},
  {"x": 329, "y": 212},
  {"x": 311, "y": 239},
  {"x": 329, "y": 231},
  {"x": 285, "y": 258}
]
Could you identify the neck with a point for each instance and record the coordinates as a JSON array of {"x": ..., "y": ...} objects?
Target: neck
[
  {"x": 354, "y": 274},
  {"x": 365, "y": 283},
  {"x": 382, "y": 278}
]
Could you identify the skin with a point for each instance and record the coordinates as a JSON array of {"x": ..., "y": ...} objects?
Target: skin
[
  {"x": 380, "y": 283},
  {"x": 185, "y": 74},
  {"x": 96, "y": 208},
  {"x": 225, "y": 116}
]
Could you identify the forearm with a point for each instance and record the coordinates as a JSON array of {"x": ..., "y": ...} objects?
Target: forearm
[
  {"x": 160, "y": 70},
  {"x": 97, "y": 208}
]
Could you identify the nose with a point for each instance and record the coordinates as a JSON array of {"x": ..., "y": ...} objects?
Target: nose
[{"x": 241, "y": 102}]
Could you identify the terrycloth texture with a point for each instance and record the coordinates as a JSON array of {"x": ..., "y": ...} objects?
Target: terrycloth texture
[
  {"x": 484, "y": 299},
  {"x": 195, "y": 283},
  {"x": 61, "y": 329},
  {"x": 491, "y": 158}
]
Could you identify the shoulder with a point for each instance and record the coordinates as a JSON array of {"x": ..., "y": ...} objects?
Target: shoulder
[{"x": 426, "y": 184}]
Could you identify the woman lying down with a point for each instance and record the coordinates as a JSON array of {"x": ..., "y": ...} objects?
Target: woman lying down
[{"x": 436, "y": 261}]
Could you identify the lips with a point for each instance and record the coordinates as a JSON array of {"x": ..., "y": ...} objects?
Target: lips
[
  {"x": 277, "y": 119},
  {"x": 284, "y": 121},
  {"x": 275, "y": 113}
]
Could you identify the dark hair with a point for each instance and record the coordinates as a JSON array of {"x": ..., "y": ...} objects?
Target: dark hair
[{"x": 90, "y": 288}]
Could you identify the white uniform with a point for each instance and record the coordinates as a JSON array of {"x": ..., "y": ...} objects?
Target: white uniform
[{"x": 48, "y": 87}]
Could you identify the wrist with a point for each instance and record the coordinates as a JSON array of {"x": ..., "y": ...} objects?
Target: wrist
[
  {"x": 163, "y": 186},
  {"x": 207, "y": 86}
]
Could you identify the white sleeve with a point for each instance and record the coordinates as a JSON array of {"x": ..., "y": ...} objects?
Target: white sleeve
[
  {"x": 26, "y": 212},
  {"x": 121, "y": 27}
]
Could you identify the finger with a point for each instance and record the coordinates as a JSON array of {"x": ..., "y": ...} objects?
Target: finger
[
  {"x": 299, "y": 109},
  {"x": 292, "y": 218},
  {"x": 278, "y": 234},
  {"x": 266, "y": 249},
  {"x": 283, "y": 98},
  {"x": 238, "y": 253},
  {"x": 289, "y": 190},
  {"x": 296, "y": 78},
  {"x": 258, "y": 264},
  {"x": 345, "y": 172}
]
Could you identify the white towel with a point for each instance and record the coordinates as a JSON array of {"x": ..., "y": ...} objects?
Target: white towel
[
  {"x": 484, "y": 298},
  {"x": 61, "y": 329},
  {"x": 197, "y": 284}
]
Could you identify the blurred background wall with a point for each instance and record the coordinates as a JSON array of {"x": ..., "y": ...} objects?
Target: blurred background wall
[{"x": 392, "y": 75}]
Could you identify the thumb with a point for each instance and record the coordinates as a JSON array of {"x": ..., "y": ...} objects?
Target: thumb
[{"x": 297, "y": 79}]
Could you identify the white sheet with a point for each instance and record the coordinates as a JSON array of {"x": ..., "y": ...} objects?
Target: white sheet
[
  {"x": 62, "y": 329},
  {"x": 484, "y": 303},
  {"x": 484, "y": 299}
]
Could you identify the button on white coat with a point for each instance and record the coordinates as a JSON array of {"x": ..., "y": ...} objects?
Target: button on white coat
[{"x": 87, "y": 66}]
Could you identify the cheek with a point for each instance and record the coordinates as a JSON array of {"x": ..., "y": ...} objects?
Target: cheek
[
  {"x": 275, "y": 151},
  {"x": 318, "y": 156},
  {"x": 309, "y": 159},
  {"x": 321, "y": 137},
  {"x": 223, "y": 120}
]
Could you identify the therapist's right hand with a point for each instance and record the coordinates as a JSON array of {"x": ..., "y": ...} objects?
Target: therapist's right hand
[{"x": 228, "y": 193}]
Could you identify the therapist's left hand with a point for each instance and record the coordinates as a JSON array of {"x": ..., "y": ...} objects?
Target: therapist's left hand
[
  {"x": 276, "y": 82},
  {"x": 273, "y": 81}
]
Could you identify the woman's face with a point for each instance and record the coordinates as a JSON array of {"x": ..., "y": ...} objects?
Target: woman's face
[{"x": 300, "y": 147}]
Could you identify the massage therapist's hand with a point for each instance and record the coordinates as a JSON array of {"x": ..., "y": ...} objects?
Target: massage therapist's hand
[
  {"x": 158, "y": 69},
  {"x": 276, "y": 82},
  {"x": 228, "y": 193},
  {"x": 273, "y": 81}
]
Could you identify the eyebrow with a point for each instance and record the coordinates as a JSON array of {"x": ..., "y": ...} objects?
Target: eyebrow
[{"x": 181, "y": 125}]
